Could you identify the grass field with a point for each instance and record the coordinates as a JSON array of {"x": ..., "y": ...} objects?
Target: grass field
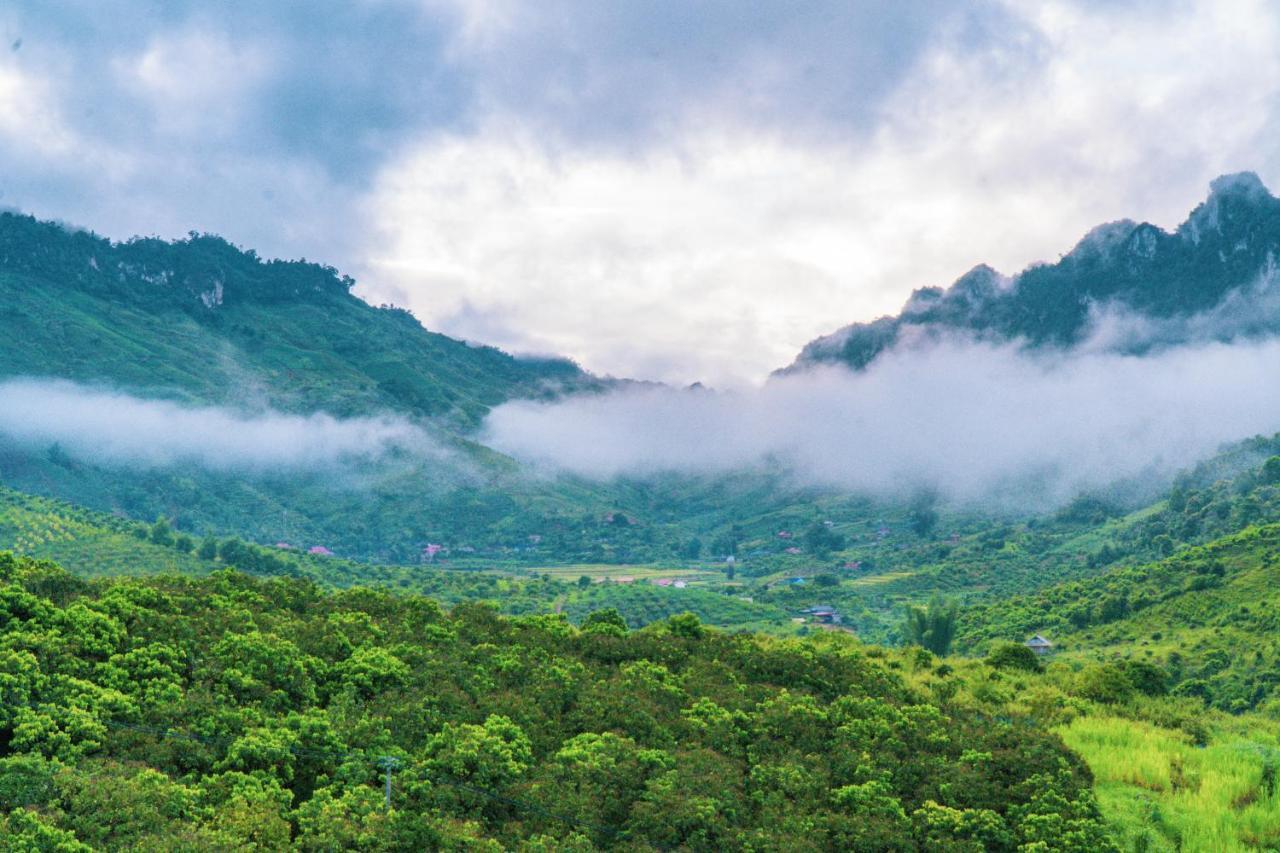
[
  {"x": 604, "y": 571},
  {"x": 1161, "y": 792},
  {"x": 883, "y": 578}
]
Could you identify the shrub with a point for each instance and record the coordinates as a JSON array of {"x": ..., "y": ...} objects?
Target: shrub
[
  {"x": 1014, "y": 656},
  {"x": 1146, "y": 678},
  {"x": 1104, "y": 683}
]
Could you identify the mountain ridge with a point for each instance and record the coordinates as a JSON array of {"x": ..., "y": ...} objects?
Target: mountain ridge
[
  {"x": 206, "y": 321},
  {"x": 1226, "y": 248}
]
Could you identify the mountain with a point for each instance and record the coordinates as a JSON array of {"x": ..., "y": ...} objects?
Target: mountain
[
  {"x": 200, "y": 320},
  {"x": 1129, "y": 286},
  {"x": 202, "y": 323}
]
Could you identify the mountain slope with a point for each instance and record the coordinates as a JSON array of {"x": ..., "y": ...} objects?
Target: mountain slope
[
  {"x": 229, "y": 713},
  {"x": 1131, "y": 285},
  {"x": 1206, "y": 615},
  {"x": 204, "y": 321}
]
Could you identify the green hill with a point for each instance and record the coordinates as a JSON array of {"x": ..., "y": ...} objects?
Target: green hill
[
  {"x": 203, "y": 321},
  {"x": 97, "y": 545},
  {"x": 228, "y": 713},
  {"x": 1207, "y": 616}
]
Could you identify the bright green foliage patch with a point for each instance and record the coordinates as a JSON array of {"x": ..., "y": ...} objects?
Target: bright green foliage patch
[
  {"x": 232, "y": 713},
  {"x": 1168, "y": 793}
]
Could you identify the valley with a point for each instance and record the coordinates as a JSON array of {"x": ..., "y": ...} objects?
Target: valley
[{"x": 230, "y": 638}]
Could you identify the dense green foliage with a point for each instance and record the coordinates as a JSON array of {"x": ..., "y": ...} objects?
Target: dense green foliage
[
  {"x": 932, "y": 627},
  {"x": 1207, "y": 617},
  {"x": 233, "y": 713},
  {"x": 1170, "y": 774},
  {"x": 202, "y": 320}
]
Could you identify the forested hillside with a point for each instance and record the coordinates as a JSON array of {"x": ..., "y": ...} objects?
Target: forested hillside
[
  {"x": 1207, "y": 615},
  {"x": 204, "y": 321},
  {"x": 229, "y": 713}
]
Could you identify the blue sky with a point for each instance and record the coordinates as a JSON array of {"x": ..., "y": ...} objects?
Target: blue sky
[{"x": 672, "y": 190}]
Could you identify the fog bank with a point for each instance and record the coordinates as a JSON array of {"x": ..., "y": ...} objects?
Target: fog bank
[
  {"x": 978, "y": 422},
  {"x": 109, "y": 427}
]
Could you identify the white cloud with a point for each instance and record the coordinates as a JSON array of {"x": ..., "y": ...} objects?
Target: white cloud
[
  {"x": 29, "y": 116},
  {"x": 196, "y": 83},
  {"x": 718, "y": 251},
  {"x": 118, "y": 429},
  {"x": 979, "y": 423}
]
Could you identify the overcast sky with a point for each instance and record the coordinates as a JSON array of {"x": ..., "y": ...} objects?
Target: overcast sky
[{"x": 671, "y": 190}]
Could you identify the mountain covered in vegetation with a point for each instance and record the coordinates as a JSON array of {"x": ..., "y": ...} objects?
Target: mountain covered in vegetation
[
  {"x": 1126, "y": 286},
  {"x": 201, "y": 320},
  {"x": 675, "y": 661}
]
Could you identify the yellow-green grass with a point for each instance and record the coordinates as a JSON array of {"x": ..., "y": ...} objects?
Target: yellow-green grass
[
  {"x": 876, "y": 580},
  {"x": 1163, "y": 793},
  {"x": 614, "y": 571}
]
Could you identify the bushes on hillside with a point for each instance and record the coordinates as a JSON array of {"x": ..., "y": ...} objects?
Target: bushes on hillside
[{"x": 231, "y": 712}]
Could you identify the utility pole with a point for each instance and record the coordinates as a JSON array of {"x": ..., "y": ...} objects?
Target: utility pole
[{"x": 389, "y": 763}]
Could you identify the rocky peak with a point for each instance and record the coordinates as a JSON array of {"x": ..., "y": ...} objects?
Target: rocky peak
[{"x": 1231, "y": 197}]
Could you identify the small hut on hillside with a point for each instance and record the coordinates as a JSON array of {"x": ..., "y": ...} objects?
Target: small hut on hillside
[
  {"x": 823, "y": 615},
  {"x": 1039, "y": 645}
]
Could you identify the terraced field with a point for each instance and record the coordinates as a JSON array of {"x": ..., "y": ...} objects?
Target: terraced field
[{"x": 47, "y": 529}]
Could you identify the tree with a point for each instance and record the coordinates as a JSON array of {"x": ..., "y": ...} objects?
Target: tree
[
  {"x": 233, "y": 552},
  {"x": 685, "y": 625},
  {"x": 489, "y": 756},
  {"x": 1104, "y": 683},
  {"x": 607, "y": 621},
  {"x": 208, "y": 549},
  {"x": 933, "y": 627},
  {"x": 923, "y": 512},
  {"x": 821, "y": 540},
  {"x": 1146, "y": 678},
  {"x": 692, "y": 549},
  {"x": 1014, "y": 656},
  {"x": 162, "y": 532},
  {"x": 1271, "y": 471},
  {"x": 27, "y": 831}
]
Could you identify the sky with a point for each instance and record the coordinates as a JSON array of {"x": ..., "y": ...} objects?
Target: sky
[{"x": 663, "y": 190}]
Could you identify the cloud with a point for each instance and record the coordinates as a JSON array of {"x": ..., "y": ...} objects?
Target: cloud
[
  {"x": 664, "y": 190},
  {"x": 266, "y": 122},
  {"x": 107, "y": 427},
  {"x": 1250, "y": 311},
  {"x": 718, "y": 249},
  {"x": 979, "y": 423},
  {"x": 627, "y": 76},
  {"x": 262, "y": 122}
]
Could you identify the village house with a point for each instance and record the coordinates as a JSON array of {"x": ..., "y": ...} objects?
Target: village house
[
  {"x": 823, "y": 614},
  {"x": 1039, "y": 645}
]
